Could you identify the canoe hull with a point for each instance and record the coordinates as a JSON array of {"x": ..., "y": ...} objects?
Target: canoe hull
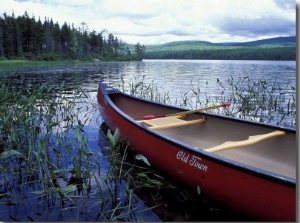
[{"x": 243, "y": 190}]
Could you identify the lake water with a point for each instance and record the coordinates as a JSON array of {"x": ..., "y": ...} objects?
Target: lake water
[{"x": 176, "y": 77}]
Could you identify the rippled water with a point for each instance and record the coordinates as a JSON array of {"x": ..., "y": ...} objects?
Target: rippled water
[
  {"x": 176, "y": 78},
  {"x": 172, "y": 76}
]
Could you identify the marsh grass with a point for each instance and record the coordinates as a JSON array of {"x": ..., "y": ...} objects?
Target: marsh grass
[
  {"x": 37, "y": 146},
  {"x": 263, "y": 102},
  {"x": 140, "y": 88},
  {"x": 251, "y": 99},
  {"x": 48, "y": 172}
]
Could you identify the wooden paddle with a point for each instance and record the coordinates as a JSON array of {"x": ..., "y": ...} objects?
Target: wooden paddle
[
  {"x": 148, "y": 117},
  {"x": 251, "y": 140}
]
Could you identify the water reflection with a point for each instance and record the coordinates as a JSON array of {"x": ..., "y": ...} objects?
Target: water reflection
[{"x": 171, "y": 75}]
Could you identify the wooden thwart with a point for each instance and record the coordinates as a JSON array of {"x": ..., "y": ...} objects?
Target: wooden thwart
[
  {"x": 168, "y": 122},
  {"x": 251, "y": 140}
]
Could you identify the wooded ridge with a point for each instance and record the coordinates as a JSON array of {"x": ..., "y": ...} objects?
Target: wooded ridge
[{"x": 279, "y": 48}]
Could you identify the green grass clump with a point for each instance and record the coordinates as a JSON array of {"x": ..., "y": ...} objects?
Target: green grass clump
[
  {"x": 264, "y": 102},
  {"x": 47, "y": 169},
  {"x": 37, "y": 144}
]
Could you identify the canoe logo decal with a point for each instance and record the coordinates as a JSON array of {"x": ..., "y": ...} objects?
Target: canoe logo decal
[{"x": 192, "y": 161}]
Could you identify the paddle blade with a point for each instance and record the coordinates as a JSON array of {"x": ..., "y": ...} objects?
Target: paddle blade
[
  {"x": 149, "y": 117},
  {"x": 226, "y": 104}
]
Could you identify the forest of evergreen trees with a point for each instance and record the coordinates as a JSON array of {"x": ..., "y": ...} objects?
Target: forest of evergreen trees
[{"x": 27, "y": 38}]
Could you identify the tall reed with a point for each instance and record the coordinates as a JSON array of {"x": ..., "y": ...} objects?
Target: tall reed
[
  {"x": 35, "y": 138},
  {"x": 264, "y": 102},
  {"x": 46, "y": 164},
  {"x": 256, "y": 100}
]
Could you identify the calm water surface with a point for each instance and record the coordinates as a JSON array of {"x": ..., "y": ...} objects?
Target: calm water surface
[{"x": 172, "y": 76}]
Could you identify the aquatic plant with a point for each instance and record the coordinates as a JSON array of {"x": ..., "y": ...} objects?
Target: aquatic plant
[
  {"x": 140, "y": 88},
  {"x": 48, "y": 172},
  {"x": 263, "y": 102},
  {"x": 255, "y": 100}
]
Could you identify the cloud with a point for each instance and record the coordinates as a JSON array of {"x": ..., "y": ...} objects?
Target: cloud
[
  {"x": 257, "y": 27},
  {"x": 161, "y": 21},
  {"x": 271, "y": 21},
  {"x": 286, "y": 4}
]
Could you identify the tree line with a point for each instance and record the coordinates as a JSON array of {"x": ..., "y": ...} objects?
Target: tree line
[
  {"x": 27, "y": 38},
  {"x": 242, "y": 53}
]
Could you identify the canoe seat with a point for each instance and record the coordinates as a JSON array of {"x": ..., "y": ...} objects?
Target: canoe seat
[
  {"x": 169, "y": 122},
  {"x": 251, "y": 140}
]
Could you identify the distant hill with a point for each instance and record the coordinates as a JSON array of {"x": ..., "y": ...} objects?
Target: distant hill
[
  {"x": 279, "y": 48},
  {"x": 195, "y": 44},
  {"x": 277, "y": 41}
]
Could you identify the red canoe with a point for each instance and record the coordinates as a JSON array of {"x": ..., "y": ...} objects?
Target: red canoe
[{"x": 248, "y": 167}]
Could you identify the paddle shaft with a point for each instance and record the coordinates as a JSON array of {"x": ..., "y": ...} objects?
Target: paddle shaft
[
  {"x": 148, "y": 117},
  {"x": 251, "y": 140},
  {"x": 200, "y": 109}
]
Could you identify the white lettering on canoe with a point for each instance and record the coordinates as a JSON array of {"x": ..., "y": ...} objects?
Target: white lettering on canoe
[
  {"x": 194, "y": 161},
  {"x": 181, "y": 156}
]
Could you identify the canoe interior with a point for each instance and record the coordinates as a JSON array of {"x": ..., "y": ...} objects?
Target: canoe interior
[{"x": 277, "y": 154}]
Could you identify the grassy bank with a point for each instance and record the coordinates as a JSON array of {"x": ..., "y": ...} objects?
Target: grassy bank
[{"x": 19, "y": 65}]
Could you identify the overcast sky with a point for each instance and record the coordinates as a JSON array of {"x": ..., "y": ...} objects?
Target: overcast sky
[{"x": 162, "y": 21}]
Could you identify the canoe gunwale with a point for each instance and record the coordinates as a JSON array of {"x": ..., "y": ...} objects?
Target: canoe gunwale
[{"x": 199, "y": 151}]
